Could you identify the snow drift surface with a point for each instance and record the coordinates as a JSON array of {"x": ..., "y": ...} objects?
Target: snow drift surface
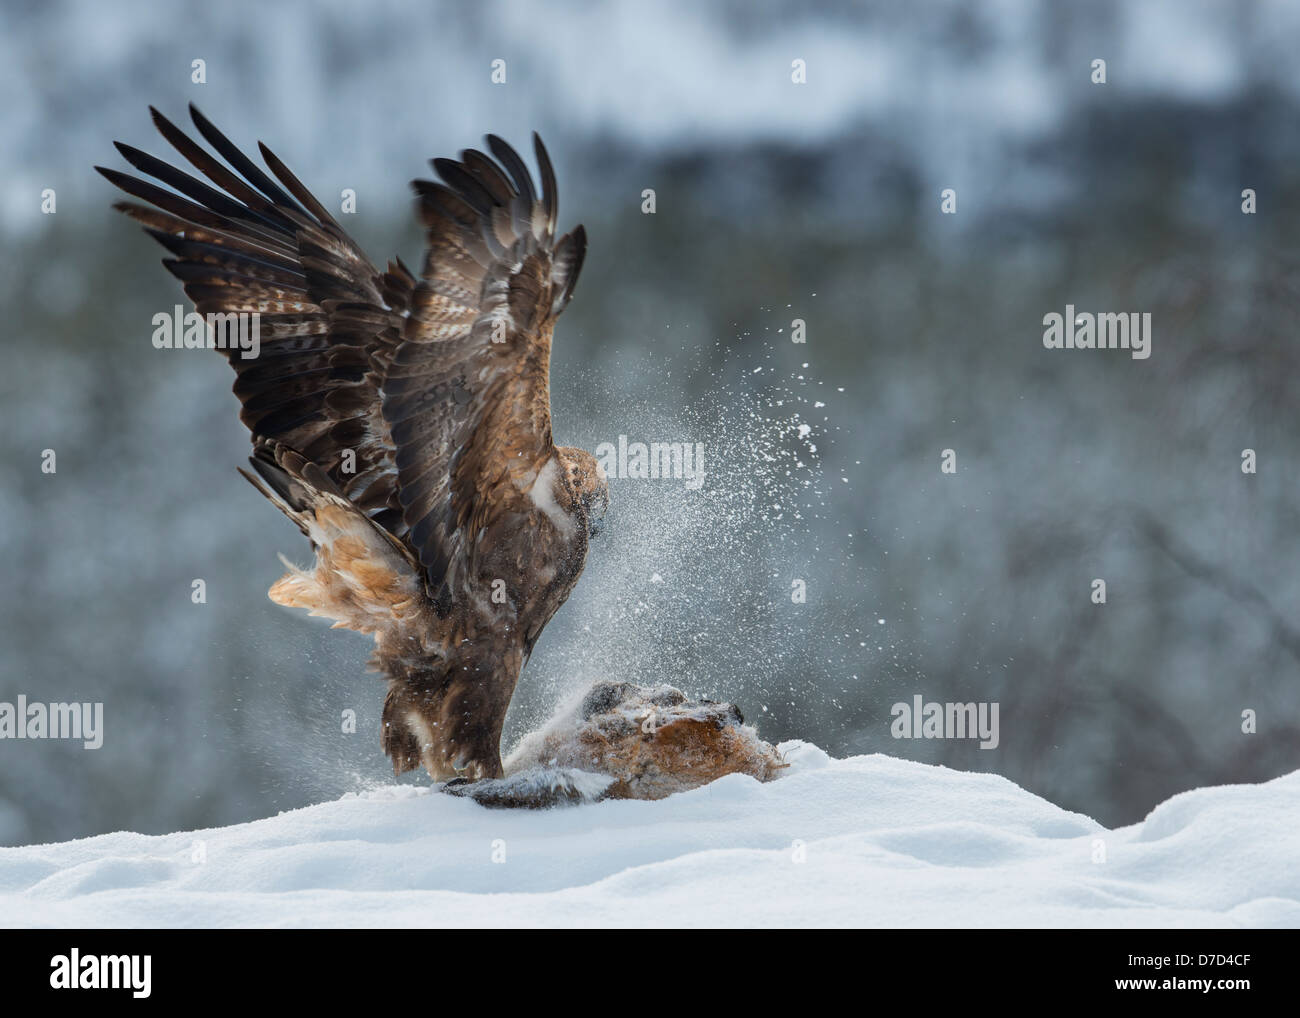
[{"x": 870, "y": 841}]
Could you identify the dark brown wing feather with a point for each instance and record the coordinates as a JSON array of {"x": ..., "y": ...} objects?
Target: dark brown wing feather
[
  {"x": 330, "y": 321},
  {"x": 467, "y": 393}
]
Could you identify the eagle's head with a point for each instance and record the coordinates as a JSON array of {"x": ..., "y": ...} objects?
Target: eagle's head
[{"x": 590, "y": 485}]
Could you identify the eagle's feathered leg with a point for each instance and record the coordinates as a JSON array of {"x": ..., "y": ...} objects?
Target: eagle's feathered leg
[{"x": 445, "y": 717}]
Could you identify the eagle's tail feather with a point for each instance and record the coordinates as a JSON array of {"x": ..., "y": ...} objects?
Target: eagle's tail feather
[{"x": 362, "y": 578}]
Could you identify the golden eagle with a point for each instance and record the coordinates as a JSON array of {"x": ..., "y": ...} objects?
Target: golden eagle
[{"x": 402, "y": 422}]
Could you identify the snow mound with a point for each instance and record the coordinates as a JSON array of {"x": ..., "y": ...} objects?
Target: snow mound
[{"x": 870, "y": 840}]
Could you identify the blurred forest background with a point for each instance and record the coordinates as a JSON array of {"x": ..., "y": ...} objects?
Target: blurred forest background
[{"x": 775, "y": 201}]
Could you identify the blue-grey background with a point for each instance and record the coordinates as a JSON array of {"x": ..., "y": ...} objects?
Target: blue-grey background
[{"x": 775, "y": 201}]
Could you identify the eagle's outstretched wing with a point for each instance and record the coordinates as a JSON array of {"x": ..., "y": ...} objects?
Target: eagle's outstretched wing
[
  {"x": 467, "y": 394},
  {"x": 329, "y": 320}
]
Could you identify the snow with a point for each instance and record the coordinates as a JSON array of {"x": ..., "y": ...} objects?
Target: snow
[{"x": 883, "y": 842}]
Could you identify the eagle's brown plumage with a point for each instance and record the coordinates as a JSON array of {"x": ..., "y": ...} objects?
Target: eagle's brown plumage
[{"x": 402, "y": 422}]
